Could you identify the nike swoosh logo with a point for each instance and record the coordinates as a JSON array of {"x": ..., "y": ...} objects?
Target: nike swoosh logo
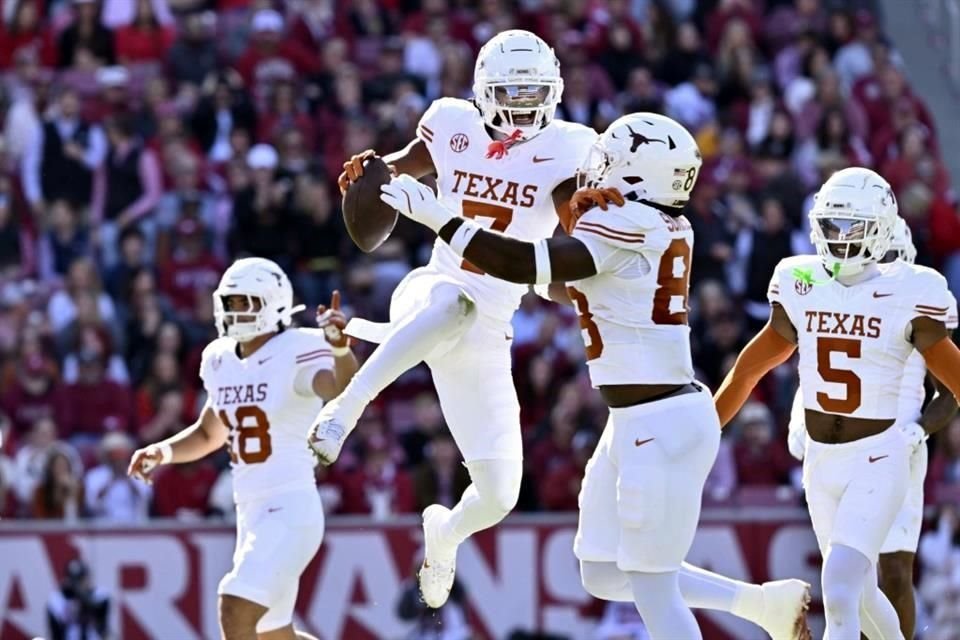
[
  {"x": 274, "y": 509},
  {"x": 881, "y": 295},
  {"x": 508, "y": 338},
  {"x": 638, "y": 442},
  {"x": 537, "y": 160},
  {"x": 871, "y": 459},
  {"x": 264, "y": 360}
]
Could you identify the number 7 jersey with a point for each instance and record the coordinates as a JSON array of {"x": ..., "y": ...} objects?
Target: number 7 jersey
[
  {"x": 854, "y": 341},
  {"x": 633, "y": 313},
  {"x": 267, "y": 417}
]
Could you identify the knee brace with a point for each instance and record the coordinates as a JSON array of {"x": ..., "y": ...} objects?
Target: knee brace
[{"x": 497, "y": 483}]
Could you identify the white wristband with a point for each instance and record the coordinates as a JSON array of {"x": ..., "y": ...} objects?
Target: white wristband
[
  {"x": 339, "y": 352},
  {"x": 542, "y": 256},
  {"x": 463, "y": 235},
  {"x": 166, "y": 452}
]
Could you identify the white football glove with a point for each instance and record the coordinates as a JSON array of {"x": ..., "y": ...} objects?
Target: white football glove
[
  {"x": 416, "y": 201},
  {"x": 915, "y": 434}
]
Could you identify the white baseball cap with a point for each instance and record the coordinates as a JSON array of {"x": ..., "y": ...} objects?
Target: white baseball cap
[
  {"x": 267, "y": 20},
  {"x": 262, "y": 156}
]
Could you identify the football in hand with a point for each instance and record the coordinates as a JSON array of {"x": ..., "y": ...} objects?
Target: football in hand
[{"x": 369, "y": 221}]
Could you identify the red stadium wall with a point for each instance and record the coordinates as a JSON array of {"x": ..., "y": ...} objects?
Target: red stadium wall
[{"x": 522, "y": 575}]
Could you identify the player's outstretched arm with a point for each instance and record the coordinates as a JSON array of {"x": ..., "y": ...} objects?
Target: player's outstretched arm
[
  {"x": 329, "y": 384},
  {"x": 942, "y": 357},
  {"x": 413, "y": 160},
  {"x": 200, "y": 439},
  {"x": 775, "y": 343},
  {"x": 560, "y": 259}
]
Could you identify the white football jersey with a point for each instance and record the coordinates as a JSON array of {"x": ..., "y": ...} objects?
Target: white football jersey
[
  {"x": 854, "y": 341},
  {"x": 633, "y": 313},
  {"x": 267, "y": 418},
  {"x": 512, "y": 195}
]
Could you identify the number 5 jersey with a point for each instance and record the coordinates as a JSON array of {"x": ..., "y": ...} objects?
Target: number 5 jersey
[
  {"x": 633, "y": 313},
  {"x": 854, "y": 340},
  {"x": 267, "y": 403}
]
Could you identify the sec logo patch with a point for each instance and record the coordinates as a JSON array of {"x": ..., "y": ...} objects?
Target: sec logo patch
[
  {"x": 459, "y": 142},
  {"x": 802, "y": 288}
]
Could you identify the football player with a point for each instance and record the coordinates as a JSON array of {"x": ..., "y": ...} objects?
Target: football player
[
  {"x": 504, "y": 161},
  {"x": 265, "y": 382},
  {"x": 629, "y": 269},
  {"x": 855, "y": 324},
  {"x": 900, "y": 546}
]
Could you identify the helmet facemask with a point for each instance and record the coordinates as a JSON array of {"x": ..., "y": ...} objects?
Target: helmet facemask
[
  {"x": 847, "y": 241},
  {"x": 240, "y": 316},
  {"x": 527, "y": 106}
]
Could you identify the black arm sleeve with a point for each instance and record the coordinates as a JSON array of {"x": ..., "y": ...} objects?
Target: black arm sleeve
[{"x": 515, "y": 260}]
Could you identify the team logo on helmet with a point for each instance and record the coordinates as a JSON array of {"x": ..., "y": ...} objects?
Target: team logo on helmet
[
  {"x": 640, "y": 139},
  {"x": 459, "y": 142}
]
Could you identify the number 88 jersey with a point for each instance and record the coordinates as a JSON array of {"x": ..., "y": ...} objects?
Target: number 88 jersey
[
  {"x": 266, "y": 415},
  {"x": 633, "y": 313},
  {"x": 854, "y": 340}
]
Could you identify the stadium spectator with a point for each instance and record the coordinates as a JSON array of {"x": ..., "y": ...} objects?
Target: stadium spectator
[
  {"x": 35, "y": 393},
  {"x": 126, "y": 188},
  {"x": 110, "y": 494},
  {"x": 81, "y": 287},
  {"x": 30, "y": 463},
  {"x": 939, "y": 588},
  {"x": 945, "y": 463},
  {"x": 60, "y": 162},
  {"x": 24, "y": 34},
  {"x": 191, "y": 267},
  {"x": 379, "y": 487},
  {"x": 762, "y": 459},
  {"x": 95, "y": 405},
  {"x": 16, "y": 241},
  {"x": 145, "y": 38},
  {"x": 441, "y": 478},
  {"x": 560, "y": 486},
  {"x": 86, "y": 43},
  {"x": 270, "y": 56},
  {"x": 66, "y": 240},
  {"x": 224, "y": 108},
  {"x": 60, "y": 493},
  {"x": 183, "y": 491},
  {"x": 193, "y": 56}
]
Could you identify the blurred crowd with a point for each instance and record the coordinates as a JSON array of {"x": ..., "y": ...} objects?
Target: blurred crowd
[{"x": 146, "y": 143}]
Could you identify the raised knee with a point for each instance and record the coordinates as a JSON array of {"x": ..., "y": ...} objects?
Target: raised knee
[
  {"x": 504, "y": 497},
  {"x": 839, "y": 599}
]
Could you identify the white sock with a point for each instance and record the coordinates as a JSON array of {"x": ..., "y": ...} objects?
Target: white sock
[
  {"x": 448, "y": 313},
  {"x": 707, "y": 590},
  {"x": 665, "y": 614},
  {"x": 489, "y": 498}
]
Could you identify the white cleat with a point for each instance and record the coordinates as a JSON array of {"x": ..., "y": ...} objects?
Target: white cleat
[
  {"x": 785, "y": 604},
  {"x": 327, "y": 435},
  {"x": 439, "y": 560}
]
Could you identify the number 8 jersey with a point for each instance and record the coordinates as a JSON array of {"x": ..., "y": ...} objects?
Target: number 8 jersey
[
  {"x": 267, "y": 404},
  {"x": 854, "y": 340},
  {"x": 633, "y": 313}
]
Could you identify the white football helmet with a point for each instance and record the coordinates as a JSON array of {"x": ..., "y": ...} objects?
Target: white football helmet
[
  {"x": 852, "y": 220},
  {"x": 269, "y": 299},
  {"x": 646, "y": 154},
  {"x": 517, "y": 83},
  {"x": 902, "y": 242}
]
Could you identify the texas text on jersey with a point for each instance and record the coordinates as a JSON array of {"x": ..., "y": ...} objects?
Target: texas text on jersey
[
  {"x": 854, "y": 340},
  {"x": 257, "y": 399},
  {"x": 511, "y": 194}
]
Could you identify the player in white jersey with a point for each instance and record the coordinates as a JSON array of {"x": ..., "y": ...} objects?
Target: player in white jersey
[
  {"x": 899, "y": 548},
  {"x": 855, "y": 323},
  {"x": 628, "y": 270},
  {"x": 504, "y": 161},
  {"x": 265, "y": 382}
]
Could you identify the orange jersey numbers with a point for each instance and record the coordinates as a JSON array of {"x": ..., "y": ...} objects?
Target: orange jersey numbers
[
  {"x": 502, "y": 217},
  {"x": 594, "y": 345},
  {"x": 250, "y": 423},
  {"x": 673, "y": 280},
  {"x": 853, "y": 396}
]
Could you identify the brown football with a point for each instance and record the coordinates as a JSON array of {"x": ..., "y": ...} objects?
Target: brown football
[{"x": 369, "y": 221}]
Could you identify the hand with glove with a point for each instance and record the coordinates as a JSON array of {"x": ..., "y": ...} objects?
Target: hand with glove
[
  {"x": 416, "y": 201},
  {"x": 586, "y": 198},
  {"x": 353, "y": 169}
]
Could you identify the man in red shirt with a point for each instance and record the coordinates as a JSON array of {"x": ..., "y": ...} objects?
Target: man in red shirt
[
  {"x": 34, "y": 395},
  {"x": 191, "y": 267},
  {"x": 761, "y": 460},
  {"x": 183, "y": 490},
  {"x": 270, "y": 56},
  {"x": 95, "y": 405}
]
